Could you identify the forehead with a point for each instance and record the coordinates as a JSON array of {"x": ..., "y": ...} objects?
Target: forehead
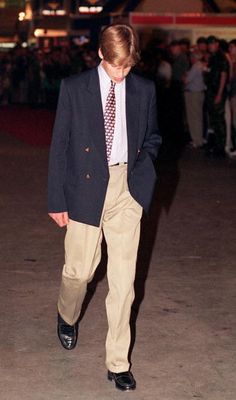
[{"x": 120, "y": 65}]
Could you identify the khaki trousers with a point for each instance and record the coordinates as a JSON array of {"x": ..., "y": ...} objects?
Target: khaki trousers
[
  {"x": 194, "y": 110},
  {"x": 228, "y": 121},
  {"x": 120, "y": 224}
]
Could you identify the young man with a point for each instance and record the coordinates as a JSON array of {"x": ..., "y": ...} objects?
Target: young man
[{"x": 101, "y": 177}]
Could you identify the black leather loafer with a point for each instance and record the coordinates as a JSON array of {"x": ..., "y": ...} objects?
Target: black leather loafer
[
  {"x": 123, "y": 380},
  {"x": 67, "y": 334}
]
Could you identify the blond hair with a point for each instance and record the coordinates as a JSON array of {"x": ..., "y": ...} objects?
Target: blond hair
[{"x": 119, "y": 45}]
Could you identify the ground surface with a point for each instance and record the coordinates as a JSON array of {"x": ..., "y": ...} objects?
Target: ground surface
[{"x": 185, "y": 303}]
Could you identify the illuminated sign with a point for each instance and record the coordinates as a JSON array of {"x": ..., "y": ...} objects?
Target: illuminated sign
[
  {"x": 53, "y": 5},
  {"x": 53, "y": 12},
  {"x": 50, "y": 33},
  {"x": 90, "y": 6}
]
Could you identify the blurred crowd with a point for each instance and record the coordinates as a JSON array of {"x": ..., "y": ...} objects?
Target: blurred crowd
[
  {"x": 33, "y": 76},
  {"x": 196, "y": 86}
]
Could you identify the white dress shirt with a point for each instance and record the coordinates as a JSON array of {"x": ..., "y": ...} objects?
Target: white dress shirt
[{"x": 119, "y": 152}]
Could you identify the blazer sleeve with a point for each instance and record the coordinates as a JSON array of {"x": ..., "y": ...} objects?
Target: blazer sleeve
[
  {"x": 57, "y": 157},
  {"x": 152, "y": 139}
]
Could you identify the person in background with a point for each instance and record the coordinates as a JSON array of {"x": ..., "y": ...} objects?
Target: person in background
[
  {"x": 194, "y": 98},
  {"x": 180, "y": 65},
  {"x": 232, "y": 93},
  {"x": 224, "y": 46},
  {"x": 163, "y": 71},
  {"x": 34, "y": 80},
  {"x": 5, "y": 78},
  {"x": 216, "y": 95},
  {"x": 202, "y": 47},
  {"x": 185, "y": 46}
]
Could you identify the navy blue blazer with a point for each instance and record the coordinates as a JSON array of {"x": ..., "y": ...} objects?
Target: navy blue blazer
[{"x": 78, "y": 168}]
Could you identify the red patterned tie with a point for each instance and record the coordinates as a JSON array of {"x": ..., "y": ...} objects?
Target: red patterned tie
[{"x": 109, "y": 119}]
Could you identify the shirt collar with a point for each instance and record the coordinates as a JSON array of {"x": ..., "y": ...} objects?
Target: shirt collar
[{"x": 105, "y": 79}]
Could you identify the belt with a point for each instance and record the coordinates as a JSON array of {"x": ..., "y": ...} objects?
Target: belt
[{"x": 119, "y": 163}]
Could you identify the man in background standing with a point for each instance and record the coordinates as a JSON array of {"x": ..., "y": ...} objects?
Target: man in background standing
[{"x": 216, "y": 94}]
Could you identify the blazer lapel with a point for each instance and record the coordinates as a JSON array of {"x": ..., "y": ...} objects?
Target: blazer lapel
[
  {"x": 96, "y": 122},
  {"x": 132, "y": 119}
]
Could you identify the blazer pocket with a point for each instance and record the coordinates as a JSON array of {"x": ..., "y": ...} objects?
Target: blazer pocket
[{"x": 144, "y": 161}]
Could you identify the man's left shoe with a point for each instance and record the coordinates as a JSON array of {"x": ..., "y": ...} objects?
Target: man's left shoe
[
  {"x": 123, "y": 380},
  {"x": 67, "y": 334}
]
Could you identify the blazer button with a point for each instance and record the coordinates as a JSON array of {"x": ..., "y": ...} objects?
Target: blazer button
[
  {"x": 87, "y": 149},
  {"x": 138, "y": 151},
  {"x": 88, "y": 176}
]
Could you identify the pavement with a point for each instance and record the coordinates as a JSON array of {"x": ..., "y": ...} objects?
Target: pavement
[{"x": 183, "y": 317}]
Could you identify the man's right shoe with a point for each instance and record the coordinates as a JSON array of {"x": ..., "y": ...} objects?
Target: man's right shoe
[
  {"x": 123, "y": 380},
  {"x": 67, "y": 334}
]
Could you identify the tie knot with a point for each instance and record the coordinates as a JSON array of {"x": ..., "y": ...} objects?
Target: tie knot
[{"x": 113, "y": 84}]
